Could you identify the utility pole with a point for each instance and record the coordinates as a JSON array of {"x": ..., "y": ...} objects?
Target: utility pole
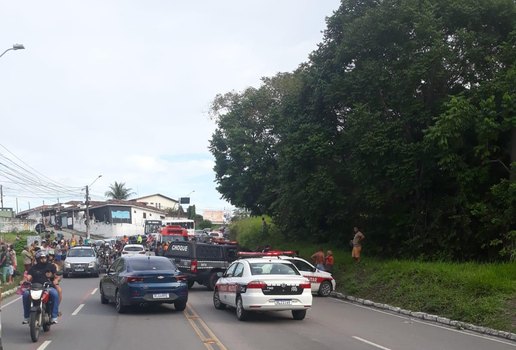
[
  {"x": 2, "y": 195},
  {"x": 87, "y": 213}
]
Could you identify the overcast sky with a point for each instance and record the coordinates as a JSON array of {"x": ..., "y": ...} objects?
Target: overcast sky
[{"x": 123, "y": 89}]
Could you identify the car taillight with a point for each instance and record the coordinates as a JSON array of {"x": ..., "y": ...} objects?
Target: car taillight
[
  {"x": 134, "y": 279},
  {"x": 193, "y": 266},
  {"x": 305, "y": 285},
  {"x": 256, "y": 285}
]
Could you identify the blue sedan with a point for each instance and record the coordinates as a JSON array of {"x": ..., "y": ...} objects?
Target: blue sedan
[{"x": 143, "y": 280}]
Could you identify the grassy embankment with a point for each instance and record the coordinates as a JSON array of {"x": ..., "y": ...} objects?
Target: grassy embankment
[{"x": 481, "y": 294}]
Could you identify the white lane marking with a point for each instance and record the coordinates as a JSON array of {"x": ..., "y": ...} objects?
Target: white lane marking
[
  {"x": 77, "y": 310},
  {"x": 44, "y": 345},
  {"x": 405, "y": 317},
  {"x": 371, "y": 343},
  {"x": 94, "y": 291},
  {"x": 11, "y": 302}
]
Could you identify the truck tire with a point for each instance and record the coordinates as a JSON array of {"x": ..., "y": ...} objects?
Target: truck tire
[{"x": 212, "y": 280}]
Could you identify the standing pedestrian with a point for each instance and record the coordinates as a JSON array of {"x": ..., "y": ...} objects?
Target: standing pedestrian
[
  {"x": 27, "y": 258},
  {"x": 357, "y": 244},
  {"x": 318, "y": 259},
  {"x": 14, "y": 262},
  {"x": 4, "y": 269},
  {"x": 329, "y": 261}
]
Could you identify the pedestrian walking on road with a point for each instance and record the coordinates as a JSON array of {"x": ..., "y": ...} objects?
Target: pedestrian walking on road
[{"x": 357, "y": 244}]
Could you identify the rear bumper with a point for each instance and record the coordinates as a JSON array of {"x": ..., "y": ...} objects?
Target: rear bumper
[
  {"x": 258, "y": 301},
  {"x": 132, "y": 296}
]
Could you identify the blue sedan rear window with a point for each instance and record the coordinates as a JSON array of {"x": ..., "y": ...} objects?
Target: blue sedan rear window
[{"x": 151, "y": 264}]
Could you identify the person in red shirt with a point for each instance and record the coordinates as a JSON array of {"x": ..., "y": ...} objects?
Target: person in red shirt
[{"x": 329, "y": 261}]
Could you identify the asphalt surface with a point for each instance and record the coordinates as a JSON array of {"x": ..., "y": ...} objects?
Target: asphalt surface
[{"x": 330, "y": 324}]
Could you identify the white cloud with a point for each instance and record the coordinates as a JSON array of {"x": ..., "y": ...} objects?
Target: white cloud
[{"x": 122, "y": 88}]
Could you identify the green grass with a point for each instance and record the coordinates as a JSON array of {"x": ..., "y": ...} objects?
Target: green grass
[{"x": 481, "y": 294}]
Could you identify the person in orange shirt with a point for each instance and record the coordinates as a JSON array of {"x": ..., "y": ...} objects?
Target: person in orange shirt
[
  {"x": 357, "y": 244},
  {"x": 329, "y": 261}
]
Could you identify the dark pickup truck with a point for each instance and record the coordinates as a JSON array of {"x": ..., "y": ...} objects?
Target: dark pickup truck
[{"x": 201, "y": 261}]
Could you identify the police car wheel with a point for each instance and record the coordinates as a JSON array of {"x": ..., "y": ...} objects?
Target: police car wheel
[
  {"x": 325, "y": 289},
  {"x": 216, "y": 301}
]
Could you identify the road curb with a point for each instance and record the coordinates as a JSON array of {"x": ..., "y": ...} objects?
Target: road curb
[
  {"x": 428, "y": 317},
  {"x": 9, "y": 292}
]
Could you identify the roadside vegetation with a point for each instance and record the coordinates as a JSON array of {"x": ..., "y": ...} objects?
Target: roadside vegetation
[
  {"x": 483, "y": 294},
  {"x": 19, "y": 240}
]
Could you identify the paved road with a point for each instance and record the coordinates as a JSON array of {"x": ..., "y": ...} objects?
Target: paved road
[{"x": 331, "y": 324}]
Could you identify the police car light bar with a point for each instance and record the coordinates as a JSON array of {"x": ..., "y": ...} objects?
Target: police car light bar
[{"x": 269, "y": 253}]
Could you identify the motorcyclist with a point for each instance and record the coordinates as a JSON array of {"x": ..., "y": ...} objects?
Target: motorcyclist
[{"x": 41, "y": 272}]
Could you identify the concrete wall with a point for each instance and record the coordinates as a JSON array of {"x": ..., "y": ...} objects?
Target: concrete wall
[{"x": 12, "y": 224}]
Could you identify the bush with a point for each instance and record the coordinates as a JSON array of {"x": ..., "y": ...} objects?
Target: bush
[{"x": 251, "y": 233}]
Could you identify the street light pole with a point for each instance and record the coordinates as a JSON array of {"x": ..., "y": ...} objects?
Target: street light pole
[
  {"x": 15, "y": 47},
  {"x": 87, "y": 202}
]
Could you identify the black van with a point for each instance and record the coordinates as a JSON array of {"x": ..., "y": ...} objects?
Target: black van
[{"x": 201, "y": 261}]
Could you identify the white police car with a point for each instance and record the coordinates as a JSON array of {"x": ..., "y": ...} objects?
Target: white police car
[
  {"x": 322, "y": 282},
  {"x": 263, "y": 284}
]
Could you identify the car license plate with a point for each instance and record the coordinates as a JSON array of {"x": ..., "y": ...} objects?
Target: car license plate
[
  {"x": 283, "y": 302},
  {"x": 160, "y": 296},
  {"x": 79, "y": 270}
]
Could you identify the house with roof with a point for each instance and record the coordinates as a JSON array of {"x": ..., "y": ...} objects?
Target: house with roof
[{"x": 112, "y": 218}]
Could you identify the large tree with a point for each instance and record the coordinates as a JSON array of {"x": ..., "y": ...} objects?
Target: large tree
[
  {"x": 402, "y": 122},
  {"x": 118, "y": 190}
]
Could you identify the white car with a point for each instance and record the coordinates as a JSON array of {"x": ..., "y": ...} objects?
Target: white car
[
  {"x": 322, "y": 282},
  {"x": 133, "y": 249},
  {"x": 263, "y": 284}
]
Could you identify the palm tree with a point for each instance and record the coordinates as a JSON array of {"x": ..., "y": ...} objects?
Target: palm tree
[{"x": 119, "y": 191}]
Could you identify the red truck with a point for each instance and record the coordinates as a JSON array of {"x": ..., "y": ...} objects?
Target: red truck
[{"x": 174, "y": 233}]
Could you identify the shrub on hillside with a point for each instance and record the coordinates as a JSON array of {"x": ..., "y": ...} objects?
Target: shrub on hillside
[{"x": 251, "y": 233}]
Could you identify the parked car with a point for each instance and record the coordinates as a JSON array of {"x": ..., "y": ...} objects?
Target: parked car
[
  {"x": 81, "y": 260},
  {"x": 143, "y": 280},
  {"x": 263, "y": 284},
  {"x": 131, "y": 249},
  {"x": 322, "y": 282},
  {"x": 202, "y": 236}
]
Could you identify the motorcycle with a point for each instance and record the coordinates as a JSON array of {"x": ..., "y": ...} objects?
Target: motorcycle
[{"x": 40, "y": 308}]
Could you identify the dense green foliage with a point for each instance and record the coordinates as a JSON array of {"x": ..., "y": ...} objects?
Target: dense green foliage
[{"x": 402, "y": 122}]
